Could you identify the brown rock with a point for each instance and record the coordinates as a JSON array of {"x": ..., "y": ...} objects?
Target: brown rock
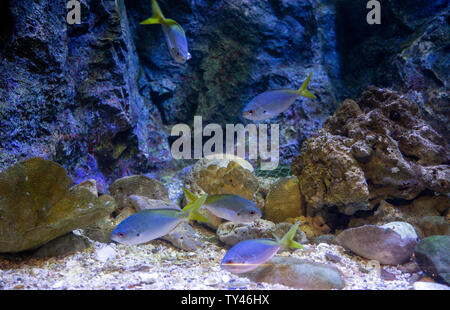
[
  {"x": 37, "y": 205},
  {"x": 213, "y": 177},
  {"x": 283, "y": 200},
  {"x": 375, "y": 149},
  {"x": 140, "y": 185}
]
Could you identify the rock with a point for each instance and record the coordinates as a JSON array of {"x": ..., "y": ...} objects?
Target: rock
[
  {"x": 410, "y": 267},
  {"x": 61, "y": 246},
  {"x": 37, "y": 205},
  {"x": 105, "y": 253},
  {"x": 90, "y": 185},
  {"x": 332, "y": 258},
  {"x": 391, "y": 244},
  {"x": 139, "y": 203},
  {"x": 327, "y": 238},
  {"x": 104, "y": 131},
  {"x": 232, "y": 233},
  {"x": 297, "y": 273},
  {"x": 214, "y": 177},
  {"x": 432, "y": 255},
  {"x": 421, "y": 285},
  {"x": 386, "y": 275},
  {"x": 411, "y": 212},
  {"x": 433, "y": 225},
  {"x": 283, "y": 200},
  {"x": 374, "y": 149},
  {"x": 137, "y": 185}
]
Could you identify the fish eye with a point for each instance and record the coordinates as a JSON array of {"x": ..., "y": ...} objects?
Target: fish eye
[
  {"x": 138, "y": 234},
  {"x": 121, "y": 234},
  {"x": 251, "y": 111},
  {"x": 252, "y": 212},
  {"x": 265, "y": 112},
  {"x": 238, "y": 214}
]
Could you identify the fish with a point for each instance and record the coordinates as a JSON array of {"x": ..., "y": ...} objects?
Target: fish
[
  {"x": 147, "y": 225},
  {"x": 274, "y": 102},
  {"x": 250, "y": 254},
  {"x": 173, "y": 33},
  {"x": 230, "y": 207}
]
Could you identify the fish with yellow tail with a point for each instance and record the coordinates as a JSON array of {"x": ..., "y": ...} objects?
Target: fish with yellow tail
[
  {"x": 274, "y": 102},
  {"x": 147, "y": 225},
  {"x": 250, "y": 254},
  {"x": 173, "y": 32},
  {"x": 229, "y": 206}
]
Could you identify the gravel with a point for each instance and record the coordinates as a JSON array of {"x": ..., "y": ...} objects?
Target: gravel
[{"x": 158, "y": 265}]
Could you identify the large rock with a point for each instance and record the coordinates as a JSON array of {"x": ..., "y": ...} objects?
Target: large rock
[
  {"x": 392, "y": 243},
  {"x": 297, "y": 273},
  {"x": 433, "y": 256},
  {"x": 223, "y": 176},
  {"x": 283, "y": 200},
  {"x": 37, "y": 205},
  {"x": 376, "y": 148}
]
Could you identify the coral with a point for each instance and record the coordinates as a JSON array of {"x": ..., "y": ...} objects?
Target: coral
[{"x": 376, "y": 148}]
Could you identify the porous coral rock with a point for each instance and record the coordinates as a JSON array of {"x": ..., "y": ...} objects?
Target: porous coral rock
[
  {"x": 373, "y": 149},
  {"x": 214, "y": 177}
]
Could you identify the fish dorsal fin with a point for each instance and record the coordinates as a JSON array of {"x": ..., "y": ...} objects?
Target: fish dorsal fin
[
  {"x": 303, "y": 90},
  {"x": 287, "y": 241}
]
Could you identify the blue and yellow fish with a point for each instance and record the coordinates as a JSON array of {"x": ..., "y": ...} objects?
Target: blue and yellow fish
[
  {"x": 173, "y": 32},
  {"x": 250, "y": 254},
  {"x": 230, "y": 207},
  {"x": 147, "y": 225},
  {"x": 274, "y": 102}
]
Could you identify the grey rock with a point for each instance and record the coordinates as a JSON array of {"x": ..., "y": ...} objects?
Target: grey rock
[
  {"x": 391, "y": 244},
  {"x": 433, "y": 256},
  {"x": 61, "y": 246},
  {"x": 425, "y": 286},
  {"x": 298, "y": 273}
]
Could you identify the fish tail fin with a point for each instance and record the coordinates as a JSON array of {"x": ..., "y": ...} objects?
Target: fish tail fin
[
  {"x": 190, "y": 196},
  {"x": 303, "y": 90},
  {"x": 191, "y": 211},
  {"x": 157, "y": 17},
  {"x": 287, "y": 241}
]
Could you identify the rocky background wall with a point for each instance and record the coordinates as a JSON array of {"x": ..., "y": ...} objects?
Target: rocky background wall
[{"x": 100, "y": 97}]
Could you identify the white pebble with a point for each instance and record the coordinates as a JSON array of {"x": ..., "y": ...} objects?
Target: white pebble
[{"x": 106, "y": 253}]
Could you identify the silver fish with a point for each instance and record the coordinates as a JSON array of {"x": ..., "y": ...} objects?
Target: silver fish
[
  {"x": 274, "y": 102},
  {"x": 173, "y": 32},
  {"x": 250, "y": 254}
]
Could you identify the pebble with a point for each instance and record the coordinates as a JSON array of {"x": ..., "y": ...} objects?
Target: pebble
[
  {"x": 422, "y": 285},
  {"x": 106, "y": 253}
]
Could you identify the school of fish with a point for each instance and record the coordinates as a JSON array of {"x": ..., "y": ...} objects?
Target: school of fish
[{"x": 147, "y": 225}]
